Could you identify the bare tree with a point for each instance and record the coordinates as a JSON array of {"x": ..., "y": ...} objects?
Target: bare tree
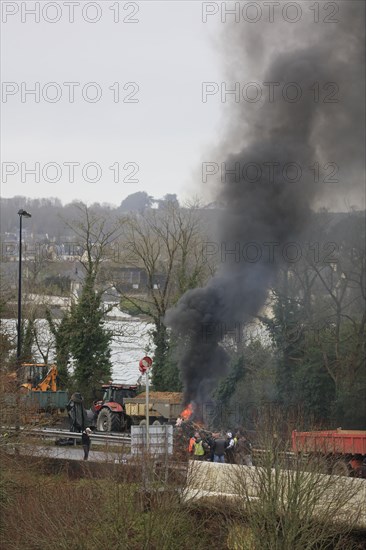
[
  {"x": 96, "y": 235},
  {"x": 167, "y": 245}
]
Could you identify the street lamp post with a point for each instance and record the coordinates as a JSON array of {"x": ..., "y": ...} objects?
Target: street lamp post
[{"x": 25, "y": 214}]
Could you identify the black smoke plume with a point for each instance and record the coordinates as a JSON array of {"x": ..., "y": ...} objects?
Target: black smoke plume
[{"x": 272, "y": 210}]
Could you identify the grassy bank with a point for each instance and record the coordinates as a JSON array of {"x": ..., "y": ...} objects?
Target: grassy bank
[{"x": 124, "y": 508}]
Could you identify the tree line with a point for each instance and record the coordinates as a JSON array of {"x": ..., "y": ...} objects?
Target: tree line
[{"x": 49, "y": 215}]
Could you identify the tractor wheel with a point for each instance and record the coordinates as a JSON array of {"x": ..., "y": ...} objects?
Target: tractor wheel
[
  {"x": 142, "y": 422},
  {"x": 156, "y": 423},
  {"x": 124, "y": 423},
  {"x": 116, "y": 423},
  {"x": 108, "y": 421}
]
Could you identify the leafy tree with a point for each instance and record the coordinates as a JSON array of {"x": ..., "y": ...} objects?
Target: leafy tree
[
  {"x": 286, "y": 330},
  {"x": 6, "y": 343},
  {"x": 89, "y": 340},
  {"x": 167, "y": 377},
  {"x": 313, "y": 391},
  {"x": 27, "y": 340},
  {"x": 137, "y": 202},
  {"x": 61, "y": 333},
  {"x": 318, "y": 327},
  {"x": 226, "y": 388},
  {"x": 249, "y": 384},
  {"x": 81, "y": 337},
  {"x": 6, "y": 346},
  {"x": 161, "y": 344},
  {"x": 169, "y": 198}
]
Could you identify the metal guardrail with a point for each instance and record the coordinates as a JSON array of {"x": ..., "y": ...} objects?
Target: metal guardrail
[
  {"x": 117, "y": 438},
  {"x": 281, "y": 454},
  {"x": 50, "y": 432}
]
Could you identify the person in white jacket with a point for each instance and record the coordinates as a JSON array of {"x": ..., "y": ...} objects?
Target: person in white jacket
[{"x": 230, "y": 444}]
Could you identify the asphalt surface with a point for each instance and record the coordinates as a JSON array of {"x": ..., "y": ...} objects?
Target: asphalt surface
[{"x": 75, "y": 452}]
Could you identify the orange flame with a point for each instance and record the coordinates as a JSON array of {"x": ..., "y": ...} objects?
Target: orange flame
[{"x": 187, "y": 413}]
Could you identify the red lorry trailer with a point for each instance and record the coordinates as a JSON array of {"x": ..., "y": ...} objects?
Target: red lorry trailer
[{"x": 344, "y": 451}]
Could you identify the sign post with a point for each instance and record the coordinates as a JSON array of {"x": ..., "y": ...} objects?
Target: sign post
[
  {"x": 144, "y": 367},
  {"x": 147, "y": 416}
]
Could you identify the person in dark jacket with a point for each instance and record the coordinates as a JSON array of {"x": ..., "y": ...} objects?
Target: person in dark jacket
[
  {"x": 85, "y": 440},
  {"x": 77, "y": 413},
  {"x": 210, "y": 443},
  {"x": 219, "y": 447}
]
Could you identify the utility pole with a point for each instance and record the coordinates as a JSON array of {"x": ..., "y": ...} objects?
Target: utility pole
[{"x": 25, "y": 214}]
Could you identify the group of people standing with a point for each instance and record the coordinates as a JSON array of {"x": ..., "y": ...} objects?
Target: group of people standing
[{"x": 218, "y": 447}]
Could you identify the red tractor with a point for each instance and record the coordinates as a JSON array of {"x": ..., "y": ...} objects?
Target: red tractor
[{"x": 110, "y": 412}]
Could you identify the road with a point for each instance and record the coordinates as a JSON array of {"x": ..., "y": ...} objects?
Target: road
[{"x": 74, "y": 452}]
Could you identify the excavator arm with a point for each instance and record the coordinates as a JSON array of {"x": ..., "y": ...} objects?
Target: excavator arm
[{"x": 49, "y": 382}]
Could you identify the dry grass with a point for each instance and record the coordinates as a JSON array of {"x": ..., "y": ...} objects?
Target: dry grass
[
  {"x": 136, "y": 507},
  {"x": 297, "y": 506},
  {"x": 125, "y": 510}
]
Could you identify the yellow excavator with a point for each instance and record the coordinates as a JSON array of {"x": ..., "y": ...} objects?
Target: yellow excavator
[
  {"x": 40, "y": 377},
  {"x": 39, "y": 386}
]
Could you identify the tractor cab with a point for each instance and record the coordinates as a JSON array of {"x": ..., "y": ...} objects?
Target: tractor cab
[{"x": 115, "y": 393}]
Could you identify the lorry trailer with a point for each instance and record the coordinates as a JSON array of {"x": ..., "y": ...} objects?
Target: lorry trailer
[{"x": 343, "y": 451}]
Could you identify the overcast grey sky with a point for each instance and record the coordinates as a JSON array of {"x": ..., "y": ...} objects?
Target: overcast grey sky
[
  {"x": 117, "y": 102},
  {"x": 155, "y": 132}
]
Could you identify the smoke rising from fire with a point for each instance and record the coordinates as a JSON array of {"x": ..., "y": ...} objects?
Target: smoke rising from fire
[{"x": 279, "y": 133}]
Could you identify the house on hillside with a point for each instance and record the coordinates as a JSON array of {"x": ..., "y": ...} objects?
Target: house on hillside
[{"x": 134, "y": 279}]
